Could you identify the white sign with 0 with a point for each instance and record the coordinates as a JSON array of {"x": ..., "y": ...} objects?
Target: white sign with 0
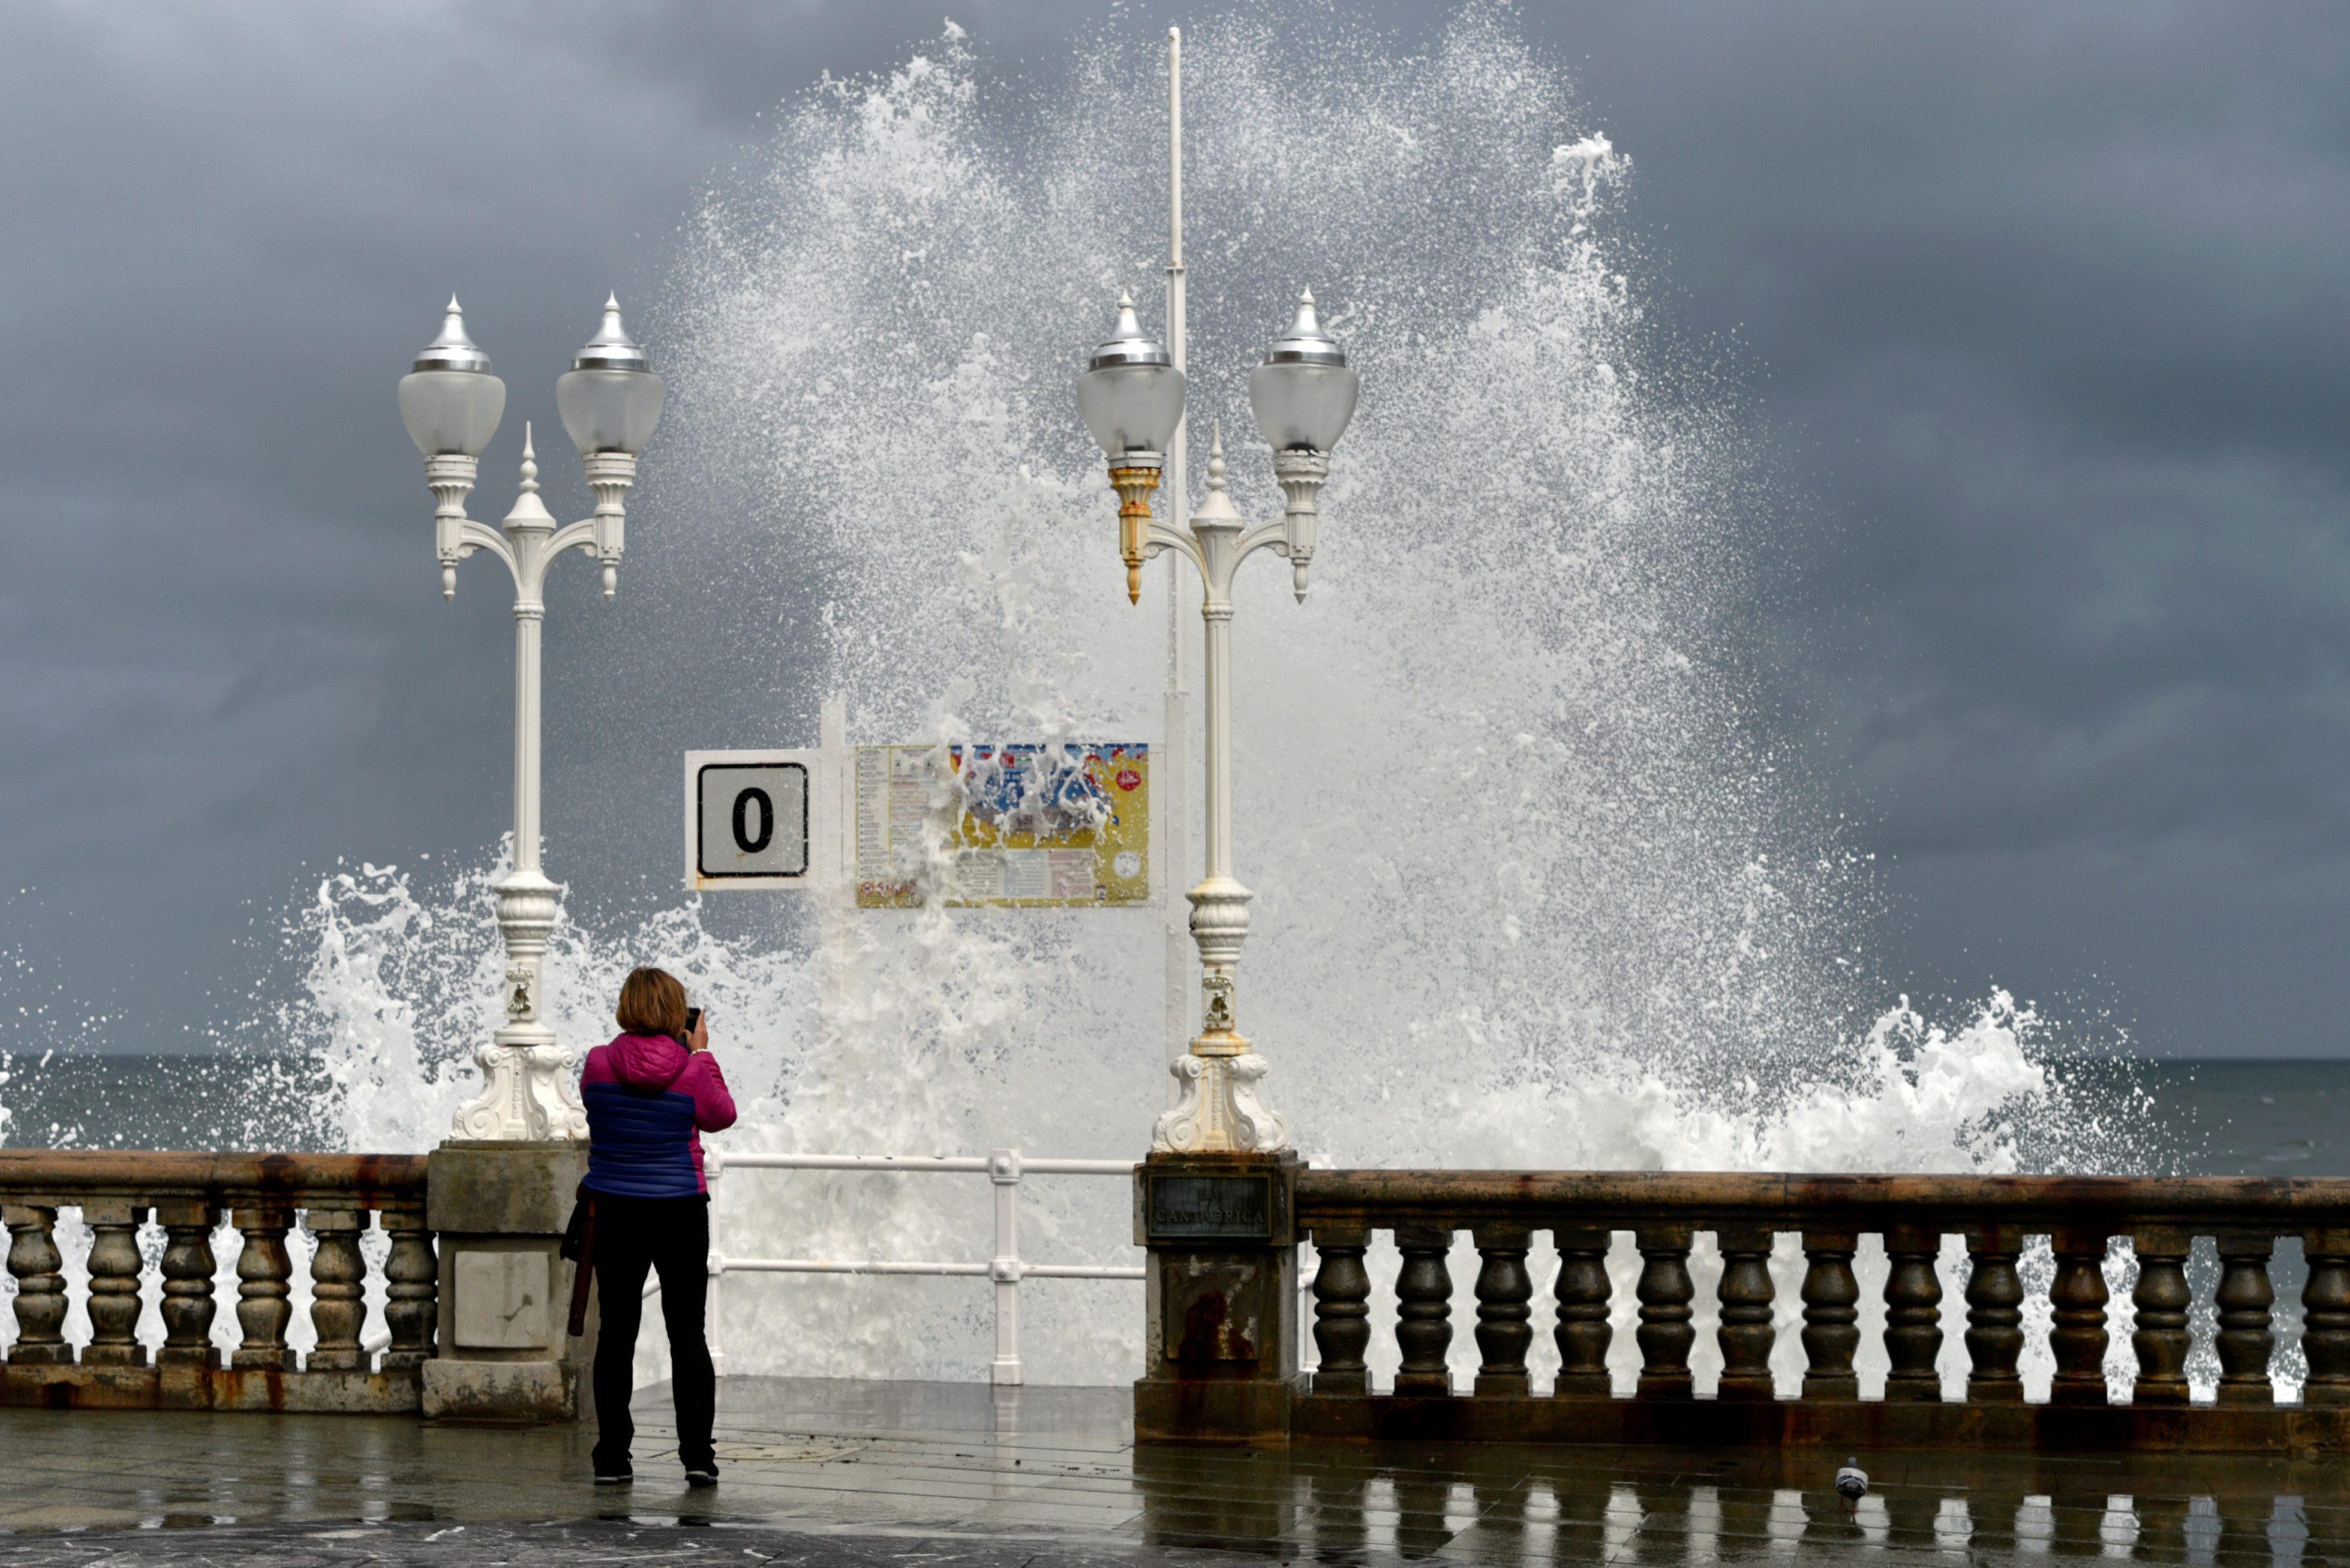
[{"x": 750, "y": 819}]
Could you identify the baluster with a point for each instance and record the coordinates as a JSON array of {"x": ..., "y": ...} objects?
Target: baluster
[
  {"x": 114, "y": 1266},
  {"x": 2161, "y": 1337},
  {"x": 1913, "y": 1314},
  {"x": 38, "y": 1266},
  {"x": 337, "y": 1281},
  {"x": 1746, "y": 1336},
  {"x": 1831, "y": 1315},
  {"x": 1504, "y": 1320},
  {"x": 2325, "y": 1317},
  {"x": 1994, "y": 1315},
  {"x": 264, "y": 1275},
  {"x": 188, "y": 1268},
  {"x": 2079, "y": 1337},
  {"x": 1424, "y": 1310},
  {"x": 1583, "y": 1333},
  {"x": 412, "y": 1275},
  {"x": 1342, "y": 1310},
  {"x": 1665, "y": 1291},
  {"x": 2245, "y": 1340}
]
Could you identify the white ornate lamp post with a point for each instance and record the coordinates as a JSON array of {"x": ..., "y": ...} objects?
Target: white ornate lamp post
[
  {"x": 1131, "y": 397},
  {"x": 610, "y": 402}
]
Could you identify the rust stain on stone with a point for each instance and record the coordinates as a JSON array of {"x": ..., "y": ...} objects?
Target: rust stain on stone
[{"x": 1210, "y": 1334}]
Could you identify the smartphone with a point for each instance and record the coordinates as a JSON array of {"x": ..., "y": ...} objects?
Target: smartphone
[{"x": 692, "y": 1017}]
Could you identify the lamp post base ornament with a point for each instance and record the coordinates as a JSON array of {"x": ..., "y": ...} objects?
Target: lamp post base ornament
[
  {"x": 527, "y": 1093},
  {"x": 1219, "y": 1111},
  {"x": 529, "y": 1082}
]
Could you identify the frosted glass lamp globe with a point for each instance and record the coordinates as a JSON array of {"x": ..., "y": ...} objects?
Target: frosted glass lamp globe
[
  {"x": 1304, "y": 394},
  {"x": 609, "y": 402},
  {"x": 1130, "y": 394},
  {"x": 450, "y": 401}
]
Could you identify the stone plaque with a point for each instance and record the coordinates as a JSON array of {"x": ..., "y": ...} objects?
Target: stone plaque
[
  {"x": 502, "y": 1300},
  {"x": 1185, "y": 1208}
]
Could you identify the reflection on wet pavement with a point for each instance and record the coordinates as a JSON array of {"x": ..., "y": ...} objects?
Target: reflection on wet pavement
[{"x": 1057, "y": 1465}]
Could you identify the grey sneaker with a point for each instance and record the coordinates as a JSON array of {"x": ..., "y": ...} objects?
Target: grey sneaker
[{"x": 702, "y": 1478}]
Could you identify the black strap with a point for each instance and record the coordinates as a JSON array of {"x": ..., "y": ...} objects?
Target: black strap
[{"x": 580, "y": 1246}]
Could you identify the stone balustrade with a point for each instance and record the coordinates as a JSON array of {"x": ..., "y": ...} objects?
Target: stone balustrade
[
  {"x": 181, "y": 1201},
  {"x": 2083, "y": 1219}
]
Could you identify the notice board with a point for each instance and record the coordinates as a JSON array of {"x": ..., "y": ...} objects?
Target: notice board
[{"x": 1062, "y": 826}]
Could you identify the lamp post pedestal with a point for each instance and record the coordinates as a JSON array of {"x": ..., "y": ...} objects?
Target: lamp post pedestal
[
  {"x": 1219, "y": 1360},
  {"x": 502, "y": 1353}
]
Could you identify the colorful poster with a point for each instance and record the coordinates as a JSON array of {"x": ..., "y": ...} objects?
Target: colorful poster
[{"x": 1003, "y": 827}]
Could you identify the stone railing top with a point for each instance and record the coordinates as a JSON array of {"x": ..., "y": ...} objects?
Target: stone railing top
[
  {"x": 1458, "y": 1198},
  {"x": 49, "y": 1177}
]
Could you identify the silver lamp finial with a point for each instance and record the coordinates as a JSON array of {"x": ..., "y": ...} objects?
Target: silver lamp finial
[
  {"x": 453, "y": 350},
  {"x": 1305, "y": 342},
  {"x": 611, "y": 348},
  {"x": 1127, "y": 344}
]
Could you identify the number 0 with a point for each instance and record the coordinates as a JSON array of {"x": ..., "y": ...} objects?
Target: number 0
[{"x": 743, "y": 839}]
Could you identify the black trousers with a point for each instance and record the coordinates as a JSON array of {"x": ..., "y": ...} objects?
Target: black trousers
[{"x": 670, "y": 1235}]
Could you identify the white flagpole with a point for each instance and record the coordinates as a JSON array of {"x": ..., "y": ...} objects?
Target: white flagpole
[{"x": 1169, "y": 779}]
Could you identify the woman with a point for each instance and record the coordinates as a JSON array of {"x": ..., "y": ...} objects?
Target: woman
[{"x": 650, "y": 1095}]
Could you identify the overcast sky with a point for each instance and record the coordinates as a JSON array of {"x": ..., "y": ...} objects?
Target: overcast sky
[{"x": 2043, "y": 309}]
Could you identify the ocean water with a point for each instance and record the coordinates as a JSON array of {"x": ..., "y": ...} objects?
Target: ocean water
[{"x": 2212, "y": 1117}]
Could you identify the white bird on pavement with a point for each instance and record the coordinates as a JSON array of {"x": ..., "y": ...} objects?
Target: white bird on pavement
[{"x": 1852, "y": 1481}]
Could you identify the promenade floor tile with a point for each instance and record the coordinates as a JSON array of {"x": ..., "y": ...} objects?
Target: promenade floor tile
[{"x": 954, "y": 1476}]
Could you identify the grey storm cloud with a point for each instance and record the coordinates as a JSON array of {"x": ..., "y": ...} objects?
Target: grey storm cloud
[{"x": 2039, "y": 313}]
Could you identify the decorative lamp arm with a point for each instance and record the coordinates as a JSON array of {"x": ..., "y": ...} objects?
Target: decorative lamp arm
[
  {"x": 579, "y": 536},
  {"x": 1162, "y": 537},
  {"x": 1273, "y": 537},
  {"x": 473, "y": 537}
]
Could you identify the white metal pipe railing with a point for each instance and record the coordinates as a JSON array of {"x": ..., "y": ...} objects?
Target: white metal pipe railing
[{"x": 1004, "y": 1168}]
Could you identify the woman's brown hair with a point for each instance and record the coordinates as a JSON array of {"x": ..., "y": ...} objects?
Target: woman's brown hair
[{"x": 652, "y": 1002}]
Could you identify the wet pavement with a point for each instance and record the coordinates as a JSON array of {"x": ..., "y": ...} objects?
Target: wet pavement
[{"x": 855, "y": 1473}]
